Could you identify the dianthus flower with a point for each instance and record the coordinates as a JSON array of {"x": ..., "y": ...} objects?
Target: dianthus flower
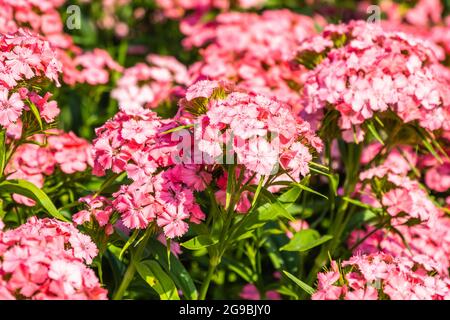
[
  {"x": 427, "y": 244},
  {"x": 388, "y": 186},
  {"x": 380, "y": 276},
  {"x": 46, "y": 259},
  {"x": 148, "y": 86},
  {"x": 262, "y": 132},
  {"x": 24, "y": 59},
  {"x": 361, "y": 71},
  {"x": 251, "y": 50},
  {"x": 175, "y": 9}
]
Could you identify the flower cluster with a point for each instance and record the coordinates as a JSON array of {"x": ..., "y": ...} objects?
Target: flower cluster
[
  {"x": 381, "y": 276},
  {"x": 162, "y": 190},
  {"x": 360, "y": 70},
  {"x": 24, "y": 59},
  {"x": 46, "y": 259},
  {"x": 40, "y": 157},
  {"x": 387, "y": 186},
  {"x": 91, "y": 67},
  {"x": 147, "y": 86},
  {"x": 42, "y": 17},
  {"x": 428, "y": 245},
  {"x": 251, "y": 50},
  {"x": 98, "y": 209},
  {"x": 437, "y": 175},
  {"x": 262, "y": 132},
  {"x": 174, "y": 9}
]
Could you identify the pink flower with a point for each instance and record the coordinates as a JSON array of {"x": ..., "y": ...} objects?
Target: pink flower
[
  {"x": 10, "y": 107},
  {"x": 45, "y": 259},
  {"x": 172, "y": 221}
]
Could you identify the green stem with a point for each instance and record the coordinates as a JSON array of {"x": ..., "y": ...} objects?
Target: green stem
[
  {"x": 131, "y": 270},
  {"x": 213, "y": 263},
  {"x": 128, "y": 276}
]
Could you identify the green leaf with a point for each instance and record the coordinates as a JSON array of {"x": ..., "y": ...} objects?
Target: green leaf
[
  {"x": 288, "y": 292},
  {"x": 289, "y": 197},
  {"x": 300, "y": 283},
  {"x": 361, "y": 204},
  {"x": 305, "y": 240},
  {"x": 199, "y": 242},
  {"x": 176, "y": 270},
  {"x": 374, "y": 132},
  {"x": 35, "y": 112},
  {"x": 128, "y": 243},
  {"x": 311, "y": 190},
  {"x": 334, "y": 179},
  {"x": 241, "y": 269},
  {"x": 2, "y": 151},
  {"x": 154, "y": 275},
  {"x": 29, "y": 190}
]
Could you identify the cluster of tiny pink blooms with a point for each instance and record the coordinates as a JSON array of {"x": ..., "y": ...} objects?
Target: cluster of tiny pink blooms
[
  {"x": 162, "y": 190},
  {"x": 380, "y": 276},
  {"x": 360, "y": 70},
  {"x": 251, "y": 50},
  {"x": 46, "y": 259},
  {"x": 263, "y": 132},
  {"x": 174, "y": 9},
  {"x": 42, "y": 17},
  {"x": 98, "y": 209},
  {"x": 437, "y": 174},
  {"x": 250, "y": 292},
  {"x": 25, "y": 58},
  {"x": 34, "y": 161},
  {"x": 147, "y": 86},
  {"x": 401, "y": 197},
  {"x": 91, "y": 67},
  {"x": 428, "y": 245}
]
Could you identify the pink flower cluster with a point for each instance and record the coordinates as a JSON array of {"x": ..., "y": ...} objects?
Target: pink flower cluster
[
  {"x": 91, "y": 67},
  {"x": 33, "y": 162},
  {"x": 360, "y": 70},
  {"x": 251, "y": 50},
  {"x": 46, "y": 259},
  {"x": 139, "y": 145},
  {"x": 25, "y": 58},
  {"x": 42, "y": 17},
  {"x": 167, "y": 198},
  {"x": 98, "y": 209},
  {"x": 263, "y": 132},
  {"x": 250, "y": 292},
  {"x": 174, "y": 9},
  {"x": 381, "y": 276},
  {"x": 437, "y": 175},
  {"x": 147, "y": 86},
  {"x": 429, "y": 245},
  {"x": 401, "y": 197}
]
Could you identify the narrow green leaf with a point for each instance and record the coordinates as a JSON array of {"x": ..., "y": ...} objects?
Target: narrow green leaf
[
  {"x": 128, "y": 243},
  {"x": 305, "y": 240},
  {"x": 199, "y": 242},
  {"x": 176, "y": 270},
  {"x": 374, "y": 132},
  {"x": 311, "y": 190},
  {"x": 300, "y": 283},
  {"x": 360, "y": 204},
  {"x": 154, "y": 275},
  {"x": 29, "y": 190},
  {"x": 35, "y": 112},
  {"x": 2, "y": 151}
]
